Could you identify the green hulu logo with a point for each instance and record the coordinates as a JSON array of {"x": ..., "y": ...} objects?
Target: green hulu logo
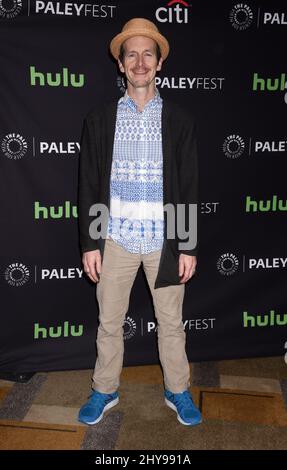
[
  {"x": 63, "y": 78},
  {"x": 268, "y": 319},
  {"x": 269, "y": 84},
  {"x": 40, "y": 332},
  {"x": 272, "y": 205},
  {"x": 66, "y": 211}
]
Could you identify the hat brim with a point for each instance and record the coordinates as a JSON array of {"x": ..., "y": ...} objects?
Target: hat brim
[{"x": 118, "y": 40}]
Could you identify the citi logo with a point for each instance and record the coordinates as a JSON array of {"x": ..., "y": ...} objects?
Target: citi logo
[
  {"x": 269, "y": 205},
  {"x": 61, "y": 331},
  {"x": 176, "y": 11},
  {"x": 270, "y": 84},
  {"x": 67, "y": 211},
  {"x": 268, "y": 319},
  {"x": 64, "y": 78}
]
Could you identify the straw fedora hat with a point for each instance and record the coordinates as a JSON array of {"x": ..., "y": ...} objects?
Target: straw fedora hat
[{"x": 139, "y": 27}]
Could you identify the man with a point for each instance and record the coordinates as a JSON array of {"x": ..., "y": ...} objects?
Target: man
[{"x": 138, "y": 154}]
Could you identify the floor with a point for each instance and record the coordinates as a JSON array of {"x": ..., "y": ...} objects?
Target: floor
[{"x": 243, "y": 402}]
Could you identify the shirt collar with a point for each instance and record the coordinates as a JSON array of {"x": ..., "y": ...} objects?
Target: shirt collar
[{"x": 152, "y": 103}]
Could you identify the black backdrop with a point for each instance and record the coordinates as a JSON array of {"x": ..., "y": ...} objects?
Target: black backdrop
[{"x": 227, "y": 64}]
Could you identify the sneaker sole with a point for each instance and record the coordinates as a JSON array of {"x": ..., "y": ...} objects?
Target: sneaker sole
[
  {"x": 107, "y": 407},
  {"x": 173, "y": 407}
]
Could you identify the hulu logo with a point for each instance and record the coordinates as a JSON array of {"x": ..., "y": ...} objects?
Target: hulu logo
[
  {"x": 66, "y": 211},
  {"x": 63, "y": 78},
  {"x": 272, "y": 205},
  {"x": 40, "y": 332},
  {"x": 269, "y": 84},
  {"x": 268, "y": 319}
]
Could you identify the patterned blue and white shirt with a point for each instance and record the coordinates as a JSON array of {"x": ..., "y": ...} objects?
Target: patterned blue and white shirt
[{"x": 136, "y": 219}]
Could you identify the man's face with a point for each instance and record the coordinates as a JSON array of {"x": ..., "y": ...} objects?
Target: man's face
[{"x": 140, "y": 61}]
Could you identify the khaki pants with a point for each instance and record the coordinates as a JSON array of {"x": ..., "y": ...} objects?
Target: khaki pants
[{"x": 119, "y": 269}]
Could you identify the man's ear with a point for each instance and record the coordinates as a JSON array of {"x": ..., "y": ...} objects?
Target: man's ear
[
  {"x": 158, "y": 68},
  {"x": 121, "y": 67}
]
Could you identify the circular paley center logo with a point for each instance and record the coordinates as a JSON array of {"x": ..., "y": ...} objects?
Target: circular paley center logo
[
  {"x": 241, "y": 16},
  {"x": 10, "y": 8},
  {"x": 130, "y": 328},
  {"x": 233, "y": 146},
  {"x": 14, "y": 146},
  {"x": 227, "y": 264},
  {"x": 121, "y": 83},
  {"x": 17, "y": 274}
]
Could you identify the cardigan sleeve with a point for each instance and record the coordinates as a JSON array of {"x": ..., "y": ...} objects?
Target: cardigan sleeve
[
  {"x": 188, "y": 182},
  {"x": 88, "y": 183}
]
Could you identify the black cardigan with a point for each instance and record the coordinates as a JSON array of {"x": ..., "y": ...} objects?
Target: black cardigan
[{"x": 180, "y": 176}]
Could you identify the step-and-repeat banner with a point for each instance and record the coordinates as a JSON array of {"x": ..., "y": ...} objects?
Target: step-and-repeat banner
[{"x": 227, "y": 66}]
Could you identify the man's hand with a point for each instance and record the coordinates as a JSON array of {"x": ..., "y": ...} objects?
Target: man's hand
[
  {"x": 186, "y": 265},
  {"x": 92, "y": 262}
]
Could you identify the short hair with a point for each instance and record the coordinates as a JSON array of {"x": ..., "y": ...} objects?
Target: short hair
[{"x": 122, "y": 53}]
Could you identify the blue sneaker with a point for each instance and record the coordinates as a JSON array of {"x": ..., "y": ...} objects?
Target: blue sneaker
[
  {"x": 93, "y": 411},
  {"x": 182, "y": 403}
]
